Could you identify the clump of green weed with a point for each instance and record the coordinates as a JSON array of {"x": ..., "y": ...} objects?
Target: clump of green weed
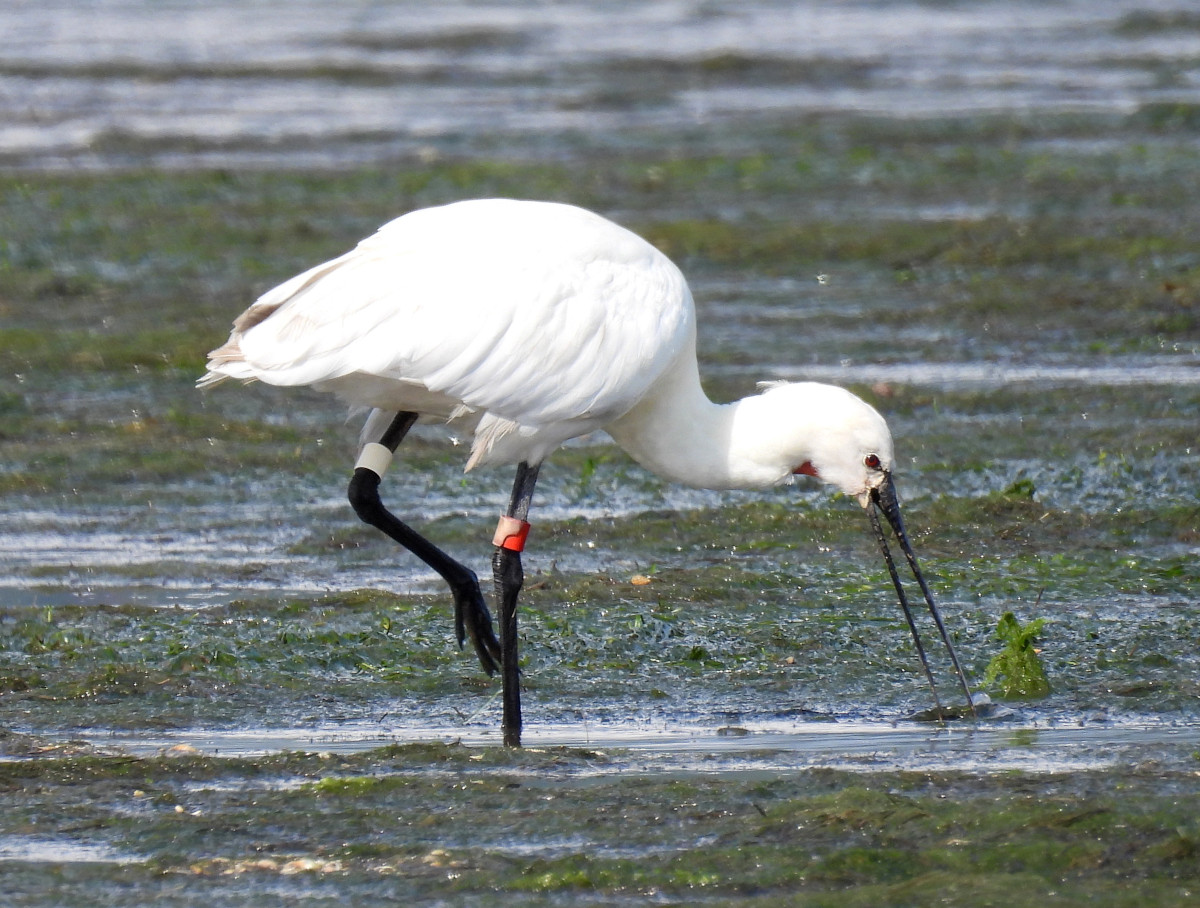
[{"x": 1017, "y": 668}]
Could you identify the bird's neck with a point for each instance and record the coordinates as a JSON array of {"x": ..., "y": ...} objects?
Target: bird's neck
[{"x": 678, "y": 433}]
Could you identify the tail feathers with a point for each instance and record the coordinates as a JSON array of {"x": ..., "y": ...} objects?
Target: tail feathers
[
  {"x": 208, "y": 379},
  {"x": 226, "y": 362}
]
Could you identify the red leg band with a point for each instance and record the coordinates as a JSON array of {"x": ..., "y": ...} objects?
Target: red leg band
[{"x": 511, "y": 534}]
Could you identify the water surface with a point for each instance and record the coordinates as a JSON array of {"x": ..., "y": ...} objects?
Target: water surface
[{"x": 120, "y": 82}]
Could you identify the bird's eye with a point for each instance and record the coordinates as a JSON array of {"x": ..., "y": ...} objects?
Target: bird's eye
[{"x": 873, "y": 462}]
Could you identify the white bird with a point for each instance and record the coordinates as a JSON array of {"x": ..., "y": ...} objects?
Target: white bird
[{"x": 527, "y": 324}]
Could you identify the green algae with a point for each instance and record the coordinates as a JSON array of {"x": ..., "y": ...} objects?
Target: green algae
[
  {"x": 773, "y": 623},
  {"x": 444, "y": 821},
  {"x": 1017, "y": 667}
]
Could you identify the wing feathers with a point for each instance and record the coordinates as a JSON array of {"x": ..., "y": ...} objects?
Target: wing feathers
[{"x": 529, "y": 313}]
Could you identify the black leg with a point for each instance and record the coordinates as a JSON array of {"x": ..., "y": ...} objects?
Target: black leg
[
  {"x": 471, "y": 616},
  {"x": 509, "y": 577}
]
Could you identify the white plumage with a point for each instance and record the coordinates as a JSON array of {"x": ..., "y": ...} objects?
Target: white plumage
[
  {"x": 542, "y": 321},
  {"x": 532, "y": 323}
]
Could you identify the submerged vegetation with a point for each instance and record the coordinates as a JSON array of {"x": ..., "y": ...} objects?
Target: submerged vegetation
[{"x": 1016, "y": 669}]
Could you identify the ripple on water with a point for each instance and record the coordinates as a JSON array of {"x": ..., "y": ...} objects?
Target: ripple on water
[{"x": 47, "y": 850}]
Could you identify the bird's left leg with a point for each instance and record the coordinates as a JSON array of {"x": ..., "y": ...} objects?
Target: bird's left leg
[
  {"x": 509, "y": 577},
  {"x": 471, "y": 616}
]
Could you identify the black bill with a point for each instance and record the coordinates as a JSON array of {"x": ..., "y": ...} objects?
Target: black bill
[{"x": 884, "y": 499}]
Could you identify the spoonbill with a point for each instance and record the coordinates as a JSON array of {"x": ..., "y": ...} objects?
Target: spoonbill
[{"x": 526, "y": 324}]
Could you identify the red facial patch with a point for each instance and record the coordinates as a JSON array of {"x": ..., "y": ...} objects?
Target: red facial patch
[{"x": 806, "y": 468}]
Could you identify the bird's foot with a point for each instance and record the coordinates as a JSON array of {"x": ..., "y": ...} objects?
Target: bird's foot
[{"x": 472, "y": 619}]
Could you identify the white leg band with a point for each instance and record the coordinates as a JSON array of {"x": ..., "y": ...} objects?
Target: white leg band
[{"x": 374, "y": 457}]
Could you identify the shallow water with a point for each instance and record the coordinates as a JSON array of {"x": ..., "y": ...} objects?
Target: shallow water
[
  {"x": 31, "y": 850},
  {"x": 1006, "y": 744},
  {"x": 121, "y": 82}
]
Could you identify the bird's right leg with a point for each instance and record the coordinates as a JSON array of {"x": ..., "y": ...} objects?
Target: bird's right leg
[
  {"x": 509, "y": 578},
  {"x": 471, "y": 616}
]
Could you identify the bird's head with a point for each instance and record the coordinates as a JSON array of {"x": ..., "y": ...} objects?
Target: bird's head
[{"x": 832, "y": 435}]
